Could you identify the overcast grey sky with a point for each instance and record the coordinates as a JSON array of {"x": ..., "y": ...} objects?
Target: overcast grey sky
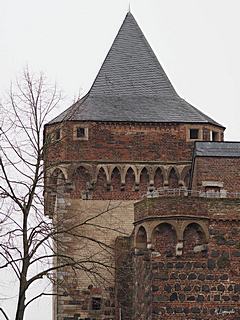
[{"x": 196, "y": 41}]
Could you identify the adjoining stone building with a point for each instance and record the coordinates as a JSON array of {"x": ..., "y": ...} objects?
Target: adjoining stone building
[{"x": 172, "y": 185}]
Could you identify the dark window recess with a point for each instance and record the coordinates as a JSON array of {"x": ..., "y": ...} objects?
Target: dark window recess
[
  {"x": 80, "y": 132},
  {"x": 212, "y": 189},
  {"x": 194, "y": 134},
  {"x": 57, "y": 134},
  {"x": 214, "y": 136},
  {"x": 96, "y": 303}
]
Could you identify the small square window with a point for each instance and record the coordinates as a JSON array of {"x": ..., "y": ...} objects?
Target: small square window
[
  {"x": 81, "y": 132},
  {"x": 215, "y": 136},
  {"x": 58, "y": 134},
  {"x": 96, "y": 303},
  {"x": 194, "y": 134}
]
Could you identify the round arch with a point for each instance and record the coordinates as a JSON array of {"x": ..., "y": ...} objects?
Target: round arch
[
  {"x": 141, "y": 238},
  {"x": 194, "y": 236},
  {"x": 164, "y": 239}
]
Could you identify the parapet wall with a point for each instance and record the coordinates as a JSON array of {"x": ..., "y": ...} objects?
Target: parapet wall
[
  {"x": 193, "y": 286},
  {"x": 196, "y": 277},
  {"x": 186, "y": 206}
]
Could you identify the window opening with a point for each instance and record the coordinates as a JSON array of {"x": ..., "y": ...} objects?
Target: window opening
[
  {"x": 212, "y": 191},
  {"x": 57, "y": 134},
  {"x": 194, "y": 134},
  {"x": 214, "y": 136},
  {"x": 96, "y": 303},
  {"x": 81, "y": 132}
]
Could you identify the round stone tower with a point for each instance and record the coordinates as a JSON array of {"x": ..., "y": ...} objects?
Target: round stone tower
[{"x": 130, "y": 136}]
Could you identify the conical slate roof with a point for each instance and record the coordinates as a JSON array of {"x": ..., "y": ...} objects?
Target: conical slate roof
[{"x": 132, "y": 86}]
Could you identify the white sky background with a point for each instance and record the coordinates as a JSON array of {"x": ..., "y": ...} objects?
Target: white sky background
[{"x": 196, "y": 41}]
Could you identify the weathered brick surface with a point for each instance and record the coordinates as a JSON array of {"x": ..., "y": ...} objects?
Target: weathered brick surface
[
  {"x": 226, "y": 170},
  {"x": 123, "y": 161},
  {"x": 125, "y": 141},
  {"x": 195, "y": 285},
  {"x": 192, "y": 206}
]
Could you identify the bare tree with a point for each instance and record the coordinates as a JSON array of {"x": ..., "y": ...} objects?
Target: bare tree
[{"x": 27, "y": 237}]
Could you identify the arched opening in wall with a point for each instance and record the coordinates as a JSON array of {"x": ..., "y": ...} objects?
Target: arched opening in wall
[
  {"x": 164, "y": 240},
  {"x": 101, "y": 185},
  {"x": 129, "y": 180},
  {"x": 57, "y": 182},
  {"x": 56, "y": 188},
  {"x": 116, "y": 180},
  {"x": 187, "y": 179},
  {"x": 141, "y": 238},
  {"x": 193, "y": 239},
  {"x": 158, "y": 179},
  {"x": 82, "y": 180},
  {"x": 173, "y": 179},
  {"x": 144, "y": 181}
]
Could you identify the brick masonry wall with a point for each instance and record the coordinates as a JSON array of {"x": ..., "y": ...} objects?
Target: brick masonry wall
[
  {"x": 188, "y": 288},
  {"x": 113, "y": 143},
  {"x": 186, "y": 206},
  {"x": 123, "y": 141},
  {"x": 226, "y": 170},
  {"x": 195, "y": 285},
  {"x": 200, "y": 287}
]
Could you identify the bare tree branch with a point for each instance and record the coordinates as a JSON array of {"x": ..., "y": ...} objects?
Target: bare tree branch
[{"x": 31, "y": 244}]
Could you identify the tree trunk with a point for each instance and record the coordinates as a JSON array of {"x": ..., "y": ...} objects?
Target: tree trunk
[
  {"x": 23, "y": 274},
  {"x": 20, "y": 307}
]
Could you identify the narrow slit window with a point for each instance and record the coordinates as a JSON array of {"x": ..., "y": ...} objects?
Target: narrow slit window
[
  {"x": 194, "y": 134},
  {"x": 58, "y": 134}
]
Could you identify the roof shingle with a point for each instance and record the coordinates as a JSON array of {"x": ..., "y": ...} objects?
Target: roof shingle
[
  {"x": 217, "y": 149},
  {"x": 132, "y": 86}
]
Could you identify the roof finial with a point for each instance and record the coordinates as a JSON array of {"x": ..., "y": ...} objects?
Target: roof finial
[{"x": 129, "y": 7}]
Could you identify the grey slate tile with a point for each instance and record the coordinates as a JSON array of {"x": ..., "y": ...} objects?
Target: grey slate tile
[
  {"x": 217, "y": 149},
  {"x": 132, "y": 86}
]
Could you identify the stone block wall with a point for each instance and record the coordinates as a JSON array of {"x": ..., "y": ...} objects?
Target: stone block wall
[
  {"x": 204, "y": 280},
  {"x": 124, "y": 278},
  {"x": 94, "y": 242},
  {"x": 121, "y": 162}
]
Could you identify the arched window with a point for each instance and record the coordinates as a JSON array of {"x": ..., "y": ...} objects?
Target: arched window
[
  {"x": 144, "y": 181},
  {"x": 56, "y": 188},
  {"x": 164, "y": 240},
  {"x": 158, "y": 178},
  {"x": 193, "y": 236},
  {"x": 82, "y": 181},
  {"x": 187, "y": 179},
  {"x": 57, "y": 182},
  {"x": 173, "y": 179},
  {"x": 141, "y": 238},
  {"x": 116, "y": 180},
  {"x": 101, "y": 185},
  {"x": 129, "y": 180}
]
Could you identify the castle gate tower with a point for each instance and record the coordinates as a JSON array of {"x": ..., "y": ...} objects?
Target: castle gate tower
[{"x": 130, "y": 135}]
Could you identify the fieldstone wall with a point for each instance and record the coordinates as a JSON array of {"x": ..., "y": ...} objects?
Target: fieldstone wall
[
  {"x": 124, "y": 278},
  {"x": 204, "y": 280}
]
